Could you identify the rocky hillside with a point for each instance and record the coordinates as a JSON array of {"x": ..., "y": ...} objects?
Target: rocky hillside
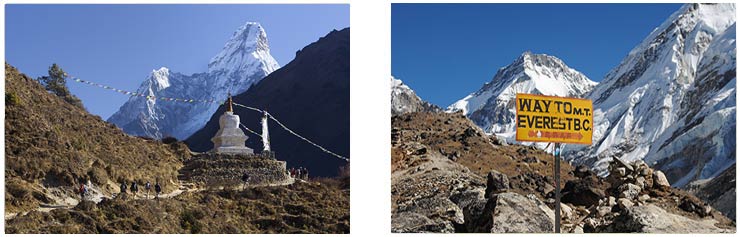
[
  {"x": 298, "y": 208},
  {"x": 449, "y": 176},
  {"x": 310, "y": 95},
  {"x": 51, "y": 146}
]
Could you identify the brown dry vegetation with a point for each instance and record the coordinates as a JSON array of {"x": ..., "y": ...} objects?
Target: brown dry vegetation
[
  {"x": 455, "y": 136},
  {"x": 298, "y": 208},
  {"x": 51, "y": 143}
]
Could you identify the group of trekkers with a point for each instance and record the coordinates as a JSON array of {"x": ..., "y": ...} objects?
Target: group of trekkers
[
  {"x": 299, "y": 173},
  {"x": 85, "y": 189},
  {"x": 148, "y": 187}
]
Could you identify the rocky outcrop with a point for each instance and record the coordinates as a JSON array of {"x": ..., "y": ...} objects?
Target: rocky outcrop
[
  {"x": 719, "y": 192},
  {"x": 515, "y": 213},
  {"x": 653, "y": 219}
]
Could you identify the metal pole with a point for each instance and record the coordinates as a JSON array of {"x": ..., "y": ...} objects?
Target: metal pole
[{"x": 556, "y": 154}]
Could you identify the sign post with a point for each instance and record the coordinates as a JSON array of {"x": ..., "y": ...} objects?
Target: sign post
[
  {"x": 554, "y": 119},
  {"x": 557, "y": 187}
]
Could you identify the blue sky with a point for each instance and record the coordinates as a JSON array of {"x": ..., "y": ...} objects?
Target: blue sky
[
  {"x": 119, "y": 45},
  {"x": 447, "y": 51}
]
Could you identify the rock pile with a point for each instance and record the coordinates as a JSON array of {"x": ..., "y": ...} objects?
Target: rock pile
[{"x": 638, "y": 201}]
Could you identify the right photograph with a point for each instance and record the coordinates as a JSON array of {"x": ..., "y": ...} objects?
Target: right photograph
[{"x": 563, "y": 118}]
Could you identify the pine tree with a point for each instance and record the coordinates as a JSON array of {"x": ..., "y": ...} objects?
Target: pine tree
[{"x": 56, "y": 83}]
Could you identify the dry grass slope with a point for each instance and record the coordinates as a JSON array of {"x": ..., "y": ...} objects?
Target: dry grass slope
[
  {"x": 297, "y": 208},
  {"x": 51, "y": 143}
]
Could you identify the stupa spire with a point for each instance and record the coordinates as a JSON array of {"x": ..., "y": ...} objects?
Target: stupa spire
[{"x": 229, "y": 107}]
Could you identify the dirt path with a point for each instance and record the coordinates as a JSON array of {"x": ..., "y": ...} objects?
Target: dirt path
[{"x": 183, "y": 188}]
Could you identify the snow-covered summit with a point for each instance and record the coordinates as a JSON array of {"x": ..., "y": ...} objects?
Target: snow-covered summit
[
  {"x": 247, "y": 49},
  {"x": 639, "y": 100},
  {"x": 244, "y": 60},
  {"x": 492, "y": 106}
]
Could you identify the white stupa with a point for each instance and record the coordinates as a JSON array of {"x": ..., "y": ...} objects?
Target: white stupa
[{"x": 230, "y": 139}]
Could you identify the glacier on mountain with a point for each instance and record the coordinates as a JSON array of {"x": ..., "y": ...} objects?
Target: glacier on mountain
[
  {"x": 671, "y": 99},
  {"x": 244, "y": 60}
]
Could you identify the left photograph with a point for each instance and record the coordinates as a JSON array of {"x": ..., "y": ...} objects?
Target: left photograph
[{"x": 177, "y": 118}]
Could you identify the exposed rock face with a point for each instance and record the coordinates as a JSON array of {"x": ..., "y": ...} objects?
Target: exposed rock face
[
  {"x": 719, "y": 192},
  {"x": 496, "y": 183},
  {"x": 405, "y": 100}
]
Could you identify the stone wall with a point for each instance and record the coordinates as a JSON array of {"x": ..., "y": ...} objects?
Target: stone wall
[{"x": 222, "y": 170}]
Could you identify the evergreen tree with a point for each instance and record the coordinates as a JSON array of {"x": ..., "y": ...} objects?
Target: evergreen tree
[{"x": 56, "y": 83}]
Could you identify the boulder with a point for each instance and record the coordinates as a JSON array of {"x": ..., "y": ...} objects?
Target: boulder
[
  {"x": 660, "y": 181},
  {"x": 440, "y": 215},
  {"x": 582, "y": 171},
  {"x": 565, "y": 211},
  {"x": 582, "y": 192},
  {"x": 514, "y": 213},
  {"x": 621, "y": 172},
  {"x": 612, "y": 201},
  {"x": 629, "y": 191},
  {"x": 643, "y": 198},
  {"x": 625, "y": 203},
  {"x": 653, "y": 219},
  {"x": 622, "y": 164},
  {"x": 603, "y": 211},
  {"x": 497, "y": 182},
  {"x": 640, "y": 182},
  {"x": 409, "y": 222}
]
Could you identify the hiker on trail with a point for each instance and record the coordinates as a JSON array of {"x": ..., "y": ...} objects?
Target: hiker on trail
[
  {"x": 245, "y": 179},
  {"x": 305, "y": 173},
  {"x": 298, "y": 172},
  {"x": 134, "y": 188},
  {"x": 147, "y": 186},
  {"x": 292, "y": 172},
  {"x": 123, "y": 187},
  {"x": 158, "y": 189},
  {"x": 83, "y": 191}
]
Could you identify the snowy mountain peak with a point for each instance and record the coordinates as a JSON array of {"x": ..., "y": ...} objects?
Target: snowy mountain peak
[
  {"x": 652, "y": 106},
  {"x": 159, "y": 79},
  {"x": 492, "y": 106},
  {"x": 529, "y": 73},
  {"x": 244, "y": 60},
  {"x": 247, "y": 48}
]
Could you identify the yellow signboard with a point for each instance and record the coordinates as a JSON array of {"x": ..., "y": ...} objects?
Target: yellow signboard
[{"x": 542, "y": 118}]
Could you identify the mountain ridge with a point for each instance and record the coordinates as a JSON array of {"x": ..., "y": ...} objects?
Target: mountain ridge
[{"x": 244, "y": 60}]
